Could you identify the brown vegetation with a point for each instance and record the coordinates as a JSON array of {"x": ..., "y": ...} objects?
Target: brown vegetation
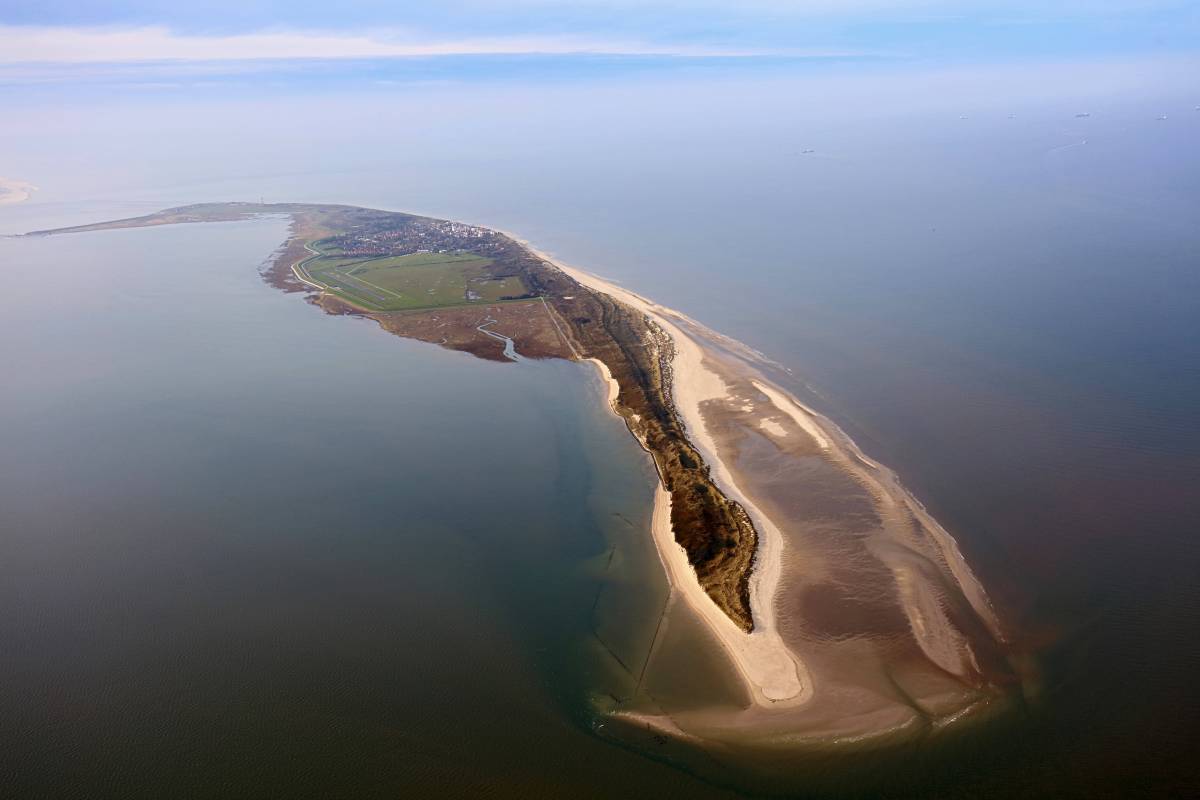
[{"x": 527, "y": 323}]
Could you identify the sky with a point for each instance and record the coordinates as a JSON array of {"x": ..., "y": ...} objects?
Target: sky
[{"x": 125, "y": 31}]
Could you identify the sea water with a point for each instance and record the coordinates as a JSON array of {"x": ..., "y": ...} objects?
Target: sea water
[
  {"x": 1003, "y": 308},
  {"x": 249, "y": 548}
]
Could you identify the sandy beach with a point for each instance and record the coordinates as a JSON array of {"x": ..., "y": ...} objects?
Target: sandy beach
[
  {"x": 773, "y": 674},
  {"x": 720, "y": 395}
]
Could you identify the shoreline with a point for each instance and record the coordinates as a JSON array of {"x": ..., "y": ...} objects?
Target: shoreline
[
  {"x": 807, "y": 563},
  {"x": 769, "y": 676},
  {"x": 774, "y": 675}
]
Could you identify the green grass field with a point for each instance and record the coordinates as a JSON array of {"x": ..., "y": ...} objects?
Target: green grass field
[{"x": 420, "y": 280}]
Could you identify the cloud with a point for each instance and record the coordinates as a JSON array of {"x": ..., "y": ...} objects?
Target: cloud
[
  {"x": 79, "y": 45},
  {"x": 13, "y": 191}
]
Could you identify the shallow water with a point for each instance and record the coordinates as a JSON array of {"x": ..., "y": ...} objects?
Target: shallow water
[
  {"x": 1010, "y": 324},
  {"x": 249, "y": 548}
]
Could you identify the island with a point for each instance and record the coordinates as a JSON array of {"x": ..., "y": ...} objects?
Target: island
[{"x": 847, "y": 610}]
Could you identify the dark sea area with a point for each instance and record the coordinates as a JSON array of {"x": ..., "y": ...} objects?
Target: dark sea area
[{"x": 247, "y": 548}]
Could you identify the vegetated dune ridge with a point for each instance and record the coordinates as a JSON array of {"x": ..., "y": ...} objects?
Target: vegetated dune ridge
[
  {"x": 887, "y": 630},
  {"x": 847, "y": 611}
]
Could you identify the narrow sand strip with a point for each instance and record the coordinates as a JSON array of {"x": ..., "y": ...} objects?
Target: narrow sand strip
[
  {"x": 611, "y": 386},
  {"x": 800, "y": 417},
  {"x": 769, "y": 669},
  {"x": 772, "y": 672}
]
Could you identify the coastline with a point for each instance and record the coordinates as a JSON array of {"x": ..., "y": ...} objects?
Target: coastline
[
  {"x": 775, "y": 672},
  {"x": 806, "y": 563},
  {"x": 770, "y": 673}
]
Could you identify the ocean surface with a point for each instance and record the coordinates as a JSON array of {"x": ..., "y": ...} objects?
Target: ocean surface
[
  {"x": 243, "y": 538},
  {"x": 253, "y": 550}
]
